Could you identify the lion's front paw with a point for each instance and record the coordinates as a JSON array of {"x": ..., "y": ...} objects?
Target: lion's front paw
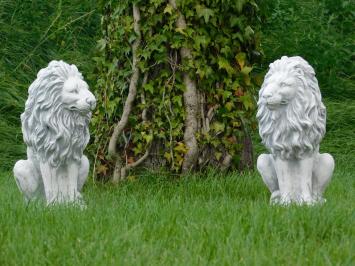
[{"x": 275, "y": 197}]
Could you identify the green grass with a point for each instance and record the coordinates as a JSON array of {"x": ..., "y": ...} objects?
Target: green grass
[
  {"x": 211, "y": 219},
  {"x": 321, "y": 31}
]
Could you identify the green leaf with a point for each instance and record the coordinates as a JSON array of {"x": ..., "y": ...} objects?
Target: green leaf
[
  {"x": 180, "y": 147},
  {"x": 167, "y": 156},
  {"x": 226, "y": 94},
  {"x": 246, "y": 70},
  {"x": 177, "y": 99},
  {"x": 149, "y": 87},
  {"x": 248, "y": 32},
  {"x": 201, "y": 41},
  {"x": 148, "y": 138},
  {"x": 229, "y": 106},
  {"x": 224, "y": 64},
  {"x": 168, "y": 9},
  {"x": 181, "y": 30},
  {"x": 218, "y": 155},
  {"x": 241, "y": 58},
  {"x": 247, "y": 101},
  {"x": 101, "y": 44},
  {"x": 204, "y": 12},
  {"x": 218, "y": 126}
]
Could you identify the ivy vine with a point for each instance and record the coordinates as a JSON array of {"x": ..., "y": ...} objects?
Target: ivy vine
[{"x": 221, "y": 39}]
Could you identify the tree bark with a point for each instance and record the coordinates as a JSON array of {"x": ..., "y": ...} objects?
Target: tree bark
[{"x": 191, "y": 105}]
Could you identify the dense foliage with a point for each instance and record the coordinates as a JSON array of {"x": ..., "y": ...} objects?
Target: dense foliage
[{"x": 224, "y": 43}]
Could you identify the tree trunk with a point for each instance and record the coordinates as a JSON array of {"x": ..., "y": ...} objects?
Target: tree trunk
[{"x": 190, "y": 101}]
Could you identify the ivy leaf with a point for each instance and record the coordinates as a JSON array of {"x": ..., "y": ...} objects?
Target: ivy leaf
[
  {"x": 236, "y": 124},
  {"x": 204, "y": 12},
  {"x": 241, "y": 58},
  {"x": 246, "y": 70},
  {"x": 148, "y": 138},
  {"x": 226, "y": 94},
  {"x": 177, "y": 99},
  {"x": 224, "y": 64},
  {"x": 167, "y": 156},
  {"x": 229, "y": 106},
  {"x": 201, "y": 41},
  {"x": 168, "y": 9},
  {"x": 239, "y": 4},
  {"x": 258, "y": 79},
  {"x": 247, "y": 101},
  {"x": 102, "y": 169},
  {"x": 248, "y": 32},
  {"x": 181, "y": 30},
  {"x": 180, "y": 148},
  {"x": 149, "y": 87},
  {"x": 218, "y": 155},
  {"x": 101, "y": 44},
  {"x": 218, "y": 127}
]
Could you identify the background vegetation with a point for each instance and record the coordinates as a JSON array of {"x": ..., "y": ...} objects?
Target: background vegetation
[
  {"x": 209, "y": 57},
  {"x": 207, "y": 218}
]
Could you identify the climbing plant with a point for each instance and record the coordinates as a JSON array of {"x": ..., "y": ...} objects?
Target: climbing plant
[{"x": 175, "y": 85}]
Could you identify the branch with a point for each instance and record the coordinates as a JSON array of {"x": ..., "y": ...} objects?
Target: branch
[
  {"x": 123, "y": 171},
  {"x": 112, "y": 149},
  {"x": 139, "y": 161},
  {"x": 144, "y": 112}
]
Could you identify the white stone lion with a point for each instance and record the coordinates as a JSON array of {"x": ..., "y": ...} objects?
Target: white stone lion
[
  {"x": 55, "y": 130},
  {"x": 292, "y": 121}
]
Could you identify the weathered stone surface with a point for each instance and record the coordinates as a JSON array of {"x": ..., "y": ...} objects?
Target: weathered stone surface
[
  {"x": 292, "y": 122},
  {"x": 55, "y": 130}
]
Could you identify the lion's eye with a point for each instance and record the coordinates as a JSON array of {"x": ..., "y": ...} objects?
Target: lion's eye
[
  {"x": 283, "y": 84},
  {"x": 74, "y": 91}
]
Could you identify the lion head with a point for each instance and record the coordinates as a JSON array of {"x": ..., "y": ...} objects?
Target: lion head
[
  {"x": 290, "y": 110},
  {"x": 57, "y": 114}
]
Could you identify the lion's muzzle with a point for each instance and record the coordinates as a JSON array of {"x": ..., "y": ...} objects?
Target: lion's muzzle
[{"x": 91, "y": 101}]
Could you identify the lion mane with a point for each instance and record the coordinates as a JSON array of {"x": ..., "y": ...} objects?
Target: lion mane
[
  {"x": 297, "y": 131},
  {"x": 54, "y": 133}
]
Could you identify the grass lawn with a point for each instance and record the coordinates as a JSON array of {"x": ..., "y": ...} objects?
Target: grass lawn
[{"x": 213, "y": 219}]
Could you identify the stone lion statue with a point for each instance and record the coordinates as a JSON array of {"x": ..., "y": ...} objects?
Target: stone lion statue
[
  {"x": 292, "y": 122},
  {"x": 55, "y": 130}
]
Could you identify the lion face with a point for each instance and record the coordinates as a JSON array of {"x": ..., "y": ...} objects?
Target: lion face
[
  {"x": 57, "y": 114},
  {"x": 279, "y": 91},
  {"x": 290, "y": 112},
  {"x": 76, "y": 96}
]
